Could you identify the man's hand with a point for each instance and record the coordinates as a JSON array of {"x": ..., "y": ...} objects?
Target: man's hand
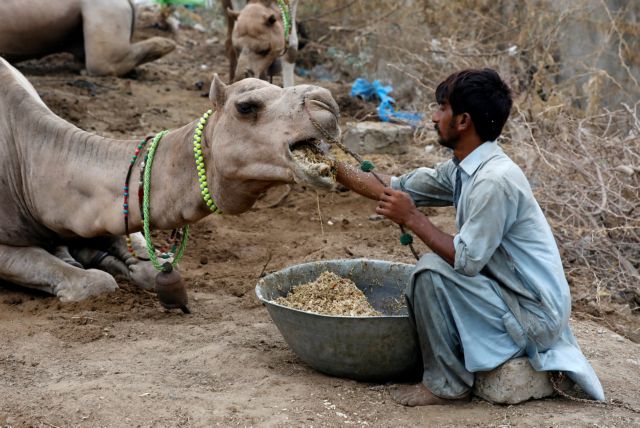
[{"x": 397, "y": 206}]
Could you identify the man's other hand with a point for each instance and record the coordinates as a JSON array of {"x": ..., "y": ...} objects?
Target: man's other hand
[{"x": 396, "y": 205}]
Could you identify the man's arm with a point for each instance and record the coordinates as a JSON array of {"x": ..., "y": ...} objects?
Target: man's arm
[
  {"x": 399, "y": 208},
  {"x": 363, "y": 183}
]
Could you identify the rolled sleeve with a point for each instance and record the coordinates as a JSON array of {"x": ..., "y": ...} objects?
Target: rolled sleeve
[
  {"x": 428, "y": 186},
  {"x": 491, "y": 212}
]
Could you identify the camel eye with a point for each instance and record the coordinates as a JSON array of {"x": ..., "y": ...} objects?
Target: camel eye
[
  {"x": 264, "y": 52},
  {"x": 247, "y": 108}
]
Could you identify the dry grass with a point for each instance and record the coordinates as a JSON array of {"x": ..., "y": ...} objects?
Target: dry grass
[{"x": 574, "y": 68}]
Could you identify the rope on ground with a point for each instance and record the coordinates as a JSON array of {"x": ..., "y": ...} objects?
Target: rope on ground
[
  {"x": 556, "y": 379},
  {"x": 359, "y": 160}
]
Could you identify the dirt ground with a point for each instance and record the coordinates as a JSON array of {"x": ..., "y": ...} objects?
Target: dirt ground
[{"x": 120, "y": 360}]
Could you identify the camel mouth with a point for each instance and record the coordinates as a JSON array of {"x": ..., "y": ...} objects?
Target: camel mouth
[{"x": 312, "y": 162}]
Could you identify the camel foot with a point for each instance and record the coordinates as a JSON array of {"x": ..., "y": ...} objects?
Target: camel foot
[
  {"x": 92, "y": 282},
  {"x": 152, "y": 49},
  {"x": 419, "y": 395},
  {"x": 143, "y": 274}
]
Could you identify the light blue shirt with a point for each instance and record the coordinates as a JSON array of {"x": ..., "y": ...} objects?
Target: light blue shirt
[
  {"x": 496, "y": 209},
  {"x": 502, "y": 232}
]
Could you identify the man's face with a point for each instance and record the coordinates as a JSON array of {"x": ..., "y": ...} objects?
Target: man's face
[{"x": 445, "y": 125}]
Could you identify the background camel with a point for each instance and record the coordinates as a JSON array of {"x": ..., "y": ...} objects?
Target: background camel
[
  {"x": 256, "y": 42},
  {"x": 98, "y": 31},
  {"x": 61, "y": 184}
]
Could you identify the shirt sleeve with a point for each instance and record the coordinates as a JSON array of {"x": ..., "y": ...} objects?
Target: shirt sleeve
[
  {"x": 491, "y": 211},
  {"x": 428, "y": 186}
]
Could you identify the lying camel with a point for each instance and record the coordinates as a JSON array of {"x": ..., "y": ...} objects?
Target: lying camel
[
  {"x": 256, "y": 42},
  {"x": 98, "y": 31},
  {"x": 61, "y": 185}
]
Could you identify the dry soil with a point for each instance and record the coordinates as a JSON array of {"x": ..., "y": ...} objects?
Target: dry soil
[{"x": 120, "y": 360}]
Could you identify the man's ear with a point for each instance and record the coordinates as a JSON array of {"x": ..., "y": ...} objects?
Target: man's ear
[
  {"x": 464, "y": 121},
  {"x": 218, "y": 92}
]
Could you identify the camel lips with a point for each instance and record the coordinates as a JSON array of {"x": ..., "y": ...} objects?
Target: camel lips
[{"x": 309, "y": 155}]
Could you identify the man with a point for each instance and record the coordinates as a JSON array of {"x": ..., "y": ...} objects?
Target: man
[{"x": 495, "y": 290}]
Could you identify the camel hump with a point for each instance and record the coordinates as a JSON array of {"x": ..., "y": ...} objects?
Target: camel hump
[{"x": 8, "y": 73}]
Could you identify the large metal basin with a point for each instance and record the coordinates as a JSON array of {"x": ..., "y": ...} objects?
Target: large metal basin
[{"x": 374, "y": 349}]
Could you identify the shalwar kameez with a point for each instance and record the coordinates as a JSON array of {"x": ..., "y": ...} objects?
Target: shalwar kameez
[{"x": 506, "y": 295}]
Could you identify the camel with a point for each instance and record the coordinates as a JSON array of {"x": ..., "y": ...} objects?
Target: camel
[
  {"x": 256, "y": 43},
  {"x": 98, "y": 31},
  {"x": 61, "y": 185}
]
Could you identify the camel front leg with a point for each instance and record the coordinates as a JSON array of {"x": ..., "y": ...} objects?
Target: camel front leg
[
  {"x": 62, "y": 252},
  {"x": 289, "y": 60},
  {"x": 34, "y": 267},
  {"x": 112, "y": 256},
  {"x": 141, "y": 272},
  {"x": 107, "y": 27}
]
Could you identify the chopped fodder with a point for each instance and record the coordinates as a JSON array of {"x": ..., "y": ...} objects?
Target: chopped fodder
[{"x": 330, "y": 294}]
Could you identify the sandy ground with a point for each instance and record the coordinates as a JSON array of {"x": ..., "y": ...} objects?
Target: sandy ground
[{"x": 120, "y": 360}]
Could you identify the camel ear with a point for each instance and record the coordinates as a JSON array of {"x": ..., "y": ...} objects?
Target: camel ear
[
  {"x": 218, "y": 92},
  {"x": 271, "y": 20},
  {"x": 233, "y": 14}
]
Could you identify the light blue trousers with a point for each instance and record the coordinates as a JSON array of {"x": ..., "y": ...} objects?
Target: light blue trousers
[{"x": 460, "y": 322}]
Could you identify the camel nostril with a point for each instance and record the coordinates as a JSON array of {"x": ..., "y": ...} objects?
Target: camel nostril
[
  {"x": 327, "y": 104},
  {"x": 323, "y": 99}
]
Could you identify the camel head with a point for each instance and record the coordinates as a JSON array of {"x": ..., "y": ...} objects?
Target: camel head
[
  {"x": 263, "y": 135},
  {"x": 258, "y": 38}
]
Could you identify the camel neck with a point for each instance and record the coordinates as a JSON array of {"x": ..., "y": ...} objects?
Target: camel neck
[
  {"x": 175, "y": 196},
  {"x": 94, "y": 169}
]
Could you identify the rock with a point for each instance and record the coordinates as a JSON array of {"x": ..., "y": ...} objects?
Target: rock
[
  {"x": 377, "y": 137},
  {"x": 513, "y": 382}
]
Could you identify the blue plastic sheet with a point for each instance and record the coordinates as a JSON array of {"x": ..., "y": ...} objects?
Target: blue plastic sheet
[{"x": 386, "y": 111}]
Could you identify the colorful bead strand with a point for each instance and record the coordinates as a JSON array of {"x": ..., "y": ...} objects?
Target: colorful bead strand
[{"x": 125, "y": 204}]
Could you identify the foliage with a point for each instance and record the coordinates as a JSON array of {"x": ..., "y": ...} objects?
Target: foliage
[{"x": 574, "y": 68}]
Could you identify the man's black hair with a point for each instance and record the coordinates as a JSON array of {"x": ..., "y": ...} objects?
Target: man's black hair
[{"x": 480, "y": 93}]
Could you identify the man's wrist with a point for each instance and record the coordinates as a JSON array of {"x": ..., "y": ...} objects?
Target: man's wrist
[{"x": 415, "y": 219}]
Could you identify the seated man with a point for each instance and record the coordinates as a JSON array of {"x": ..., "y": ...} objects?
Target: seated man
[{"x": 496, "y": 290}]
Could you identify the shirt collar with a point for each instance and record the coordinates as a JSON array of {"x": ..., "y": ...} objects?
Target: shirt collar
[{"x": 474, "y": 159}]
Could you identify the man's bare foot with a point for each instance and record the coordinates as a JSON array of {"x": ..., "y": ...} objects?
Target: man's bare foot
[{"x": 419, "y": 395}]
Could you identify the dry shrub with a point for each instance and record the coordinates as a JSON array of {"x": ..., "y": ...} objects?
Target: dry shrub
[{"x": 574, "y": 68}]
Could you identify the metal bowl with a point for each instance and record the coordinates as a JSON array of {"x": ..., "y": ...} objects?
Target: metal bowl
[{"x": 366, "y": 348}]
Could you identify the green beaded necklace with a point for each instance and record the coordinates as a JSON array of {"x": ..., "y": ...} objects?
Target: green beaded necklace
[
  {"x": 146, "y": 219},
  {"x": 286, "y": 19},
  {"x": 202, "y": 172},
  {"x": 167, "y": 267}
]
